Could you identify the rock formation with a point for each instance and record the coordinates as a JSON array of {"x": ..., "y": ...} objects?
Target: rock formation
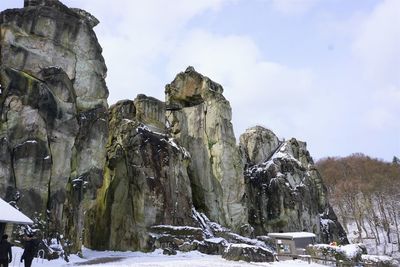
[
  {"x": 284, "y": 190},
  {"x": 53, "y": 105},
  {"x": 144, "y": 173},
  {"x": 258, "y": 144},
  {"x": 199, "y": 117},
  {"x": 145, "y": 179}
]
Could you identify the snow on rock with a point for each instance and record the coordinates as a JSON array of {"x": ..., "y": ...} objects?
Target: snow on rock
[
  {"x": 386, "y": 260},
  {"x": 172, "y": 142},
  {"x": 352, "y": 252},
  {"x": 211, "y": 239},
  {"x": 285, "y": 191},
  {"x": 178, "y": 231},
  {"x": 248, "y": 253},
  {"x": 284, "y": 153},
  {"x": 216, "y": 240},
  {"x": 147, "y": 128}
]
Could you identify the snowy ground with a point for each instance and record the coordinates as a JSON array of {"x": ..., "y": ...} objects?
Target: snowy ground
[
  {"x": 155, "y": 259},
  {"x": 385, "y": 248}
]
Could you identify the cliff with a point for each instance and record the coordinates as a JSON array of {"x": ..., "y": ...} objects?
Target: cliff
[
  {"x": 54, "y": 120},
  {"x": 284, "y": 189},
  {"x": 143, "y": 173},
  {"x": 199, "y": 117},
  {"x": 145, "y": 179}
]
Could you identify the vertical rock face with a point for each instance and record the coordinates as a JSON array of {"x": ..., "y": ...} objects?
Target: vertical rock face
[
  {"x": 200, "y": 119},
  {"x": 150, "y": 111},
  {"x": 284, "y": 191},
  {"x": 53, "y": 107},
  {"x": 146, "y": 181},
  {"x": 105, "y": 177}
]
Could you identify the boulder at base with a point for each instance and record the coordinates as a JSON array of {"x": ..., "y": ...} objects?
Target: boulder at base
[{"x": 237, "y": 252}]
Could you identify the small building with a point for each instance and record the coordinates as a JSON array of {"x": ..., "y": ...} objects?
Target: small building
[
  {"x": 9, "y": 214},
  {"x": 292, "y": 243}
]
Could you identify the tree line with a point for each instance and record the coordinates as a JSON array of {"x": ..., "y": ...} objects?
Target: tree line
[{"x": 366, "y": 191}]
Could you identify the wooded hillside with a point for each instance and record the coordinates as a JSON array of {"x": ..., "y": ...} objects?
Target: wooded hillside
[{"x": 365, "y": 191}]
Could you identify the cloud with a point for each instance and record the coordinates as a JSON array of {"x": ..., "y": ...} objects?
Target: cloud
[
  {"x": 260, "y": 91},
  {"x": 137, "y": 36},
  {"x": 376, "y": 48},
  {"x": 377, "y": 43},
  {"x": 384, "y": 110},
  {"x": 294, "y": 7}
]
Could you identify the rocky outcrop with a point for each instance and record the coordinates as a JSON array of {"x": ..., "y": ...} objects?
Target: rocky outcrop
[
  {"x": 237, "y": 252},
  {"x": 151, "y": 112},
  {"x": 285, "y": 192},
  {"x": 53, "y": 107},
  {"x": 145, "y": 183},
  {"x": 210, "y": 238},
  {"x": 348, "y": 254},
  {"x": 133, "y": 177},
  {"x": 47, "y": 33},
  {"x": 258, "y": 144},
  {"x": 331, "y": 229},
  {"x": 199, "y": 117}
]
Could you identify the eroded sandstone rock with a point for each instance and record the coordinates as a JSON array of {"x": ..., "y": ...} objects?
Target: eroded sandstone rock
[
  {"x": 145, "y": 183},
  {"x": 258, "y": 144},
  {"x": 54, "y": 119},
  {"x": 285, "y": 192},
  {"x": 104, "y": 177},
  {"x": 200, "y": 119}
]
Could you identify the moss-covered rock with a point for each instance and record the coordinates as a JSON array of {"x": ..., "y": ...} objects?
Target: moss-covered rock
[
  {"x": 146, "y": 181},
  {"x": 54, "y": 119}
]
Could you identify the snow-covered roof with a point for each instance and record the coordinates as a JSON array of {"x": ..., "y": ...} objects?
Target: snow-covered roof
[
  {"x": 291, "y": 235},
  {"x": 9, "y": 214}
]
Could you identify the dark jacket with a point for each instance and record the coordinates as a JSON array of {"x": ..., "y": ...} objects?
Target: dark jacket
[
  {"x": 5, "y": 250},
  {"x": 30, "y": 250}
]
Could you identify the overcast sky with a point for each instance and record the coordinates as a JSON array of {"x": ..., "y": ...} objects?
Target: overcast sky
[{"x": 324, "y": 71}]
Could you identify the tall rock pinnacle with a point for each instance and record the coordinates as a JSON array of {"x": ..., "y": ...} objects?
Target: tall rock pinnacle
[
  {"x": 53, "y": 107},
  {"x": 200, "y": 120}
]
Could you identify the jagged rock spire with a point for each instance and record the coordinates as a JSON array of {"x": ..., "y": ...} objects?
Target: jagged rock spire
[{"x": 200, "y": 119}]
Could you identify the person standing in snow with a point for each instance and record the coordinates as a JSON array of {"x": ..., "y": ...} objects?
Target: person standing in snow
[
  {"x": 30, "y": 250},
  {"x": 5, "y": 252}
]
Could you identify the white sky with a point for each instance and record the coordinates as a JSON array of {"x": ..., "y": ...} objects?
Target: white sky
[{"x": 324, "y": 71}]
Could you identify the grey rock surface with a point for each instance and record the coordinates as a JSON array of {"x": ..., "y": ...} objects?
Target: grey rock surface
[
  {"x": 54, "y": 119},
  {"x": 145, "y": 180},
  {"x": 104, "y": 178},
  {"x": 258, "y": 144},
  {"x": 199, "y": 117},
  {"x": 285, "y": 192},
  {"x": 240, "y": 252}
]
